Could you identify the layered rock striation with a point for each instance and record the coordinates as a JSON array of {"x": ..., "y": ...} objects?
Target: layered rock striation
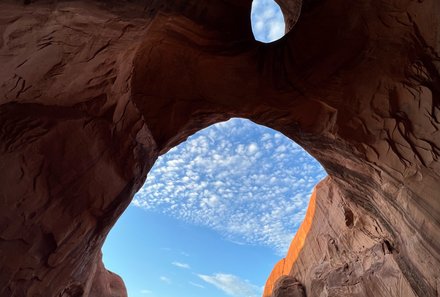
[
  {"x": 349, "y": 255},
  {"x": 92, "y": 92}
]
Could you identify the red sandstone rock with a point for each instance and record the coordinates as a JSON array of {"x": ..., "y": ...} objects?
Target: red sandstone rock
[
  {"x": 287, "y": 286},
  {"x": 106, "y": 284},
  {"x": 349, "y": 255},
  {"x": 91, "y": 92},
  {"x": 284, "y": 266}
]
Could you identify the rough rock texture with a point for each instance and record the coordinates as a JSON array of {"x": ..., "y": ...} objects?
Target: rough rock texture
[
  {"x": 92, "y": 92},
  {"x": 349, "y": 255},
  {"x": 288, "y": 286},
  {"x": 105, "y": 283},
  {"x": 284, "y": 266}
]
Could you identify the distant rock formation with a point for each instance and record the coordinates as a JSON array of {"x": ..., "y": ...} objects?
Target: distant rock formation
[{"x": 92, "y": 92}]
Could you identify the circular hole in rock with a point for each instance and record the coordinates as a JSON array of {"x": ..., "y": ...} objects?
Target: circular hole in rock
[{"x": 267, "y": 21}]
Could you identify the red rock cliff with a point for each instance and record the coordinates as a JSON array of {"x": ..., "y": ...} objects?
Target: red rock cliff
[{"x": 91, "y": 92}]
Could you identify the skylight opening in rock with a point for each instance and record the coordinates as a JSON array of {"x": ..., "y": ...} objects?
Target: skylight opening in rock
[
  {"x": 244, "y": 184},
  {"x": 267, "y": 21},
  {"x": 248, "y": 182}
]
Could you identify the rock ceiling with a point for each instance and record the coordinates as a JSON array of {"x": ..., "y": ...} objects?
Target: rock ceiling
[{"x": 92, "y": 92}]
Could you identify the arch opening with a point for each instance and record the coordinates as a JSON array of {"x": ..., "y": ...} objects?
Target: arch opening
[
  {"x": 267, "y": 21},
  {"x": 246, "y": 184}
]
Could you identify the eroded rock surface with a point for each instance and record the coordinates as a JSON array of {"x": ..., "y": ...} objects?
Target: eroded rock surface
[
  {"x": 105, "y": 283},
  {"x": 288, "y": 286},
  {"x": 92, "y": 92},
  {"x": 349, "y": 255}
]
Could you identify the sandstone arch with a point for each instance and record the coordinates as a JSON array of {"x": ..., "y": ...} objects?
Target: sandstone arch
[{"x": 94, "y": 91}]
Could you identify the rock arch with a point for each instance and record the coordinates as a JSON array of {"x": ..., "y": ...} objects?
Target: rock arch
[{"x": 92, "y": 92}]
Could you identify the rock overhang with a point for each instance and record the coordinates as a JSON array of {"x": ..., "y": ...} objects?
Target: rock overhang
[{"x": 106, "y": 87}]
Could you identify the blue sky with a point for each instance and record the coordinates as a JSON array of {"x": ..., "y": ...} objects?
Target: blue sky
[
  {"x": 267, "y": 20},
  {"x": 217, "y": 211}
]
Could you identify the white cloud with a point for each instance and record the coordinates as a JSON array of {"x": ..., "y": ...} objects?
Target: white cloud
[
  {"x": 267, "y": 20},
  {"x": 232, "y": 285},
  {"x": 146, "y": 291},
  {"x": 165, "y": 279},
  {"x": 276, "y": 30},
  {"x": 181, "y": 265},
  {"x": 252, "y": 148},
  {"x": 197, "y": 285},
  {"x": 248, "y": 182}
]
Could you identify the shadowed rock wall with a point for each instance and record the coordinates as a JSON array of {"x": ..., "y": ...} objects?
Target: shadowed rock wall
[{"x": 92, "y": 92}]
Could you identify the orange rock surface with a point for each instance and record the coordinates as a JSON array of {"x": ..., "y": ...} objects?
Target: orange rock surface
[{"x": 284, "y": 266}]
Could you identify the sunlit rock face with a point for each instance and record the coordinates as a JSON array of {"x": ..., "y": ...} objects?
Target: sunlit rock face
[
  {"x": 92, "y": 92},
  {"x": 347, "y": 255}
]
